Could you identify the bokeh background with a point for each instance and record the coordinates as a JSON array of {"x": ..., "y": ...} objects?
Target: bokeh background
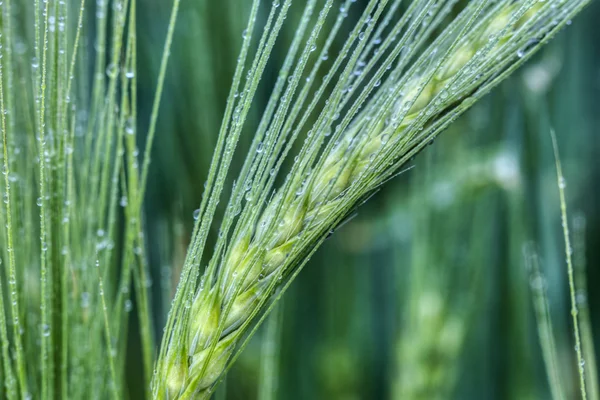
[{"x": 425, "y": 293}]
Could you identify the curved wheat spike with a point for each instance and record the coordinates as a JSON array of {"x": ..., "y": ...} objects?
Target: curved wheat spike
[{"x": 381, "y": 101}]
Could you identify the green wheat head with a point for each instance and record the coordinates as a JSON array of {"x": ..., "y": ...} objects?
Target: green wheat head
[{"x": 401, "y": 76}]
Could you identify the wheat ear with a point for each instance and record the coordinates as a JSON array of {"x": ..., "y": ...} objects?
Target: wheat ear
[{"x": 400, "y": 110}]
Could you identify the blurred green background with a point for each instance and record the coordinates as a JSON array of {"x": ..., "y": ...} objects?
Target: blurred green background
[{"x": 425, "y": 293}]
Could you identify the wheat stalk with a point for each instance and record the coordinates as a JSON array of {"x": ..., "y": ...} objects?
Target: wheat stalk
[
  {"x": 396, "y": 86},
  {"x": 68, "y": 154}
]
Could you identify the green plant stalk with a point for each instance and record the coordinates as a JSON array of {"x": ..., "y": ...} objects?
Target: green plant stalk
[
  {"x": 7, "y": 110},
  {"x": 48, "y": 252},
  {"x": 261, "y": 256},
  {"x": 46, "y": 273},
  {"x": 56, "y": 201},
  {"x": 571, "y": 275},
  {"x": 20, "y": 357}
]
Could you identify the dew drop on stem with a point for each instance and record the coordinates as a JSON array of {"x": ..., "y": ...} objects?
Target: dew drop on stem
[
  {"x": 562, "y": 183},
  {"x": 112, "y": 70}
]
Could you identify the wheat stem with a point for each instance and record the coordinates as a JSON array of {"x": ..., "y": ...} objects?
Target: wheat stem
[{"x": 570, "y": 273}]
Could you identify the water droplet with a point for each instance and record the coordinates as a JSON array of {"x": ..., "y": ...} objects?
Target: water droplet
[
  {"x": 128, "y": 305},
  {"x": 130, "y": 126},
  {"x": 562, "y": 183},
  {"x": 112, "y": 70},
  {"x": 39, "y": 201},
  {"x": 196, "y": 214},
  {"x": 259, "y": 148},
  {"x": 45, "y": 330}
]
